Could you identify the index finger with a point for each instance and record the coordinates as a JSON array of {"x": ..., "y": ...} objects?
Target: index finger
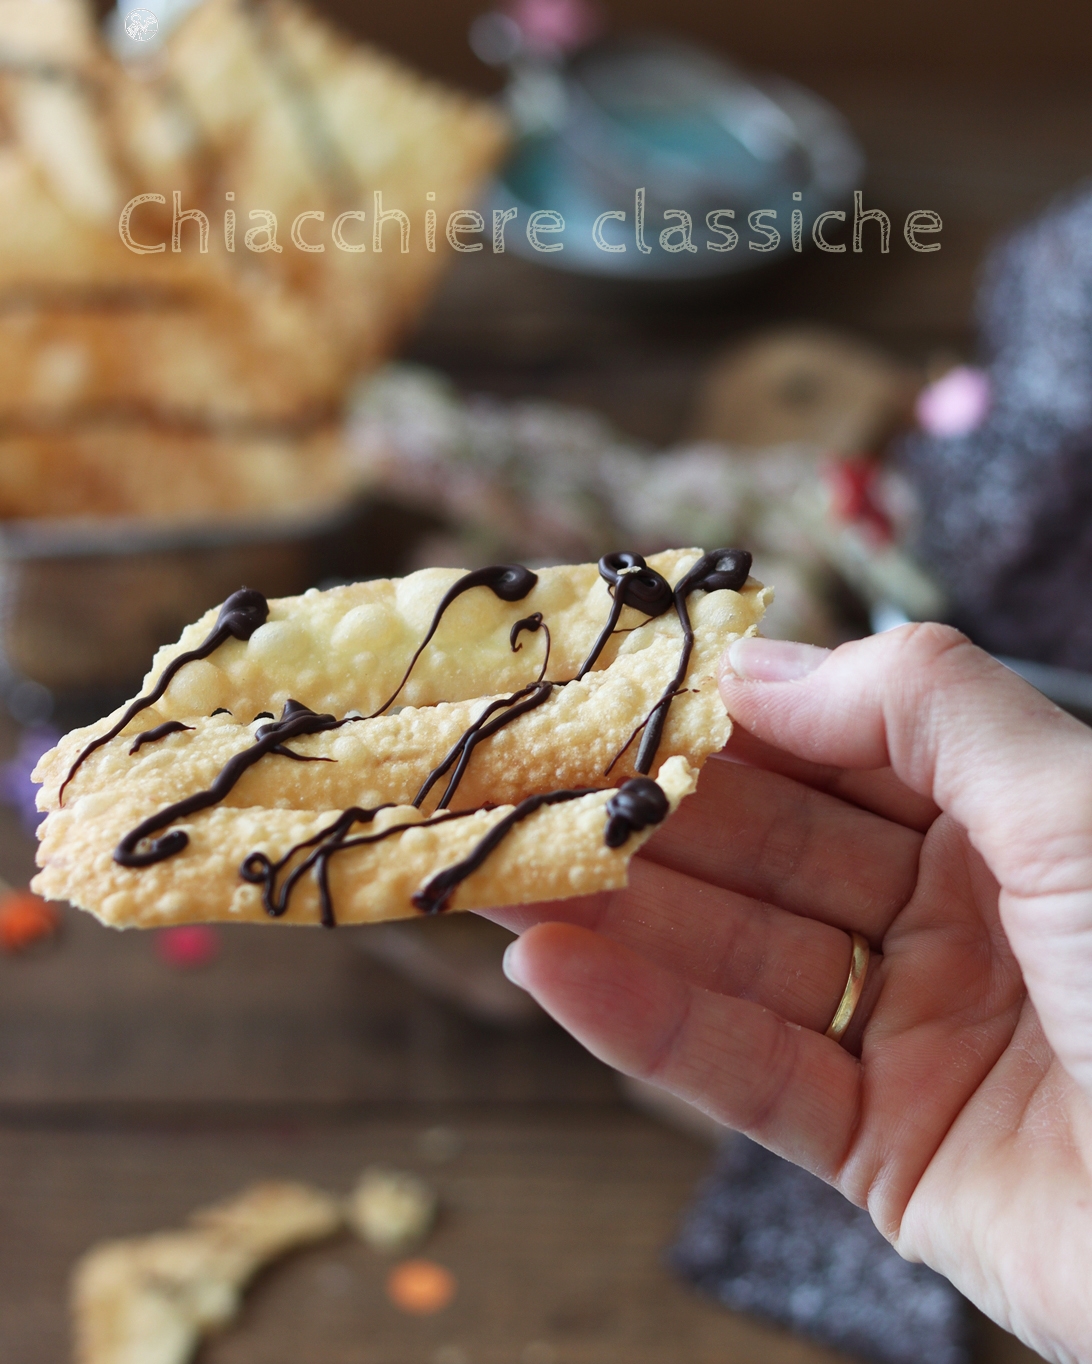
[
  {"x": 879, "y": 790},
  {"x": 763, "y": 835}
]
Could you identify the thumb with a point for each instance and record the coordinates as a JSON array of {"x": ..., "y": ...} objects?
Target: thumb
[{"x": 957, "y": 726}]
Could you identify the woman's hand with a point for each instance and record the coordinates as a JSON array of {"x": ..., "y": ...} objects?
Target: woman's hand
[{"x": 911, "y": 789}]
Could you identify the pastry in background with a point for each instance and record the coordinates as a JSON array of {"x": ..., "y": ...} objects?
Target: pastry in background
[
  {"x": 256, "y": 108},
  {"x": 491, "y": 738},
  {"x": 78, "y": 137},
  {"x": 150, "y": 1299},
  {"x": 178, "y": 362},
  {"x": 297, "y": 119},
  {"x": 195, "y": 477}
]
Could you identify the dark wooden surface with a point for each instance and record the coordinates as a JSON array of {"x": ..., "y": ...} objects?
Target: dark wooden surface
[
  {"x": 130, "y": 1093},
  {"x": 554, "y": 1223},
  {"x": 954, "y": 39}
]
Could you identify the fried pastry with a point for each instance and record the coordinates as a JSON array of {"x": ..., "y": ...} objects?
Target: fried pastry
[
  {"x": 249, "y": 112},
  {"x": 299, "y": 119},
  {"x": 389, "y": 748},
  {"x": 259, "y": 361},
  {"x": 48, "y": 34},
  {"x": 150, "y": 1299},
  {"x": 175, "y": 477}
]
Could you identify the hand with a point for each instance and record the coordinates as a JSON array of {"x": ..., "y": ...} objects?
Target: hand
[{"x": 912, "y": 789}]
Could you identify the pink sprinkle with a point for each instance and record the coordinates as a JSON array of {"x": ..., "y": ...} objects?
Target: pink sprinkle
[
  {"x": 189, "y": 946},
  {"x": 956, "y": 404}
]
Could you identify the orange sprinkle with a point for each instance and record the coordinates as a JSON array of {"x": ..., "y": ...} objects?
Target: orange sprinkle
[
  {"x": 420, "y": 1287},
  {"x": 24, "y": 920}
]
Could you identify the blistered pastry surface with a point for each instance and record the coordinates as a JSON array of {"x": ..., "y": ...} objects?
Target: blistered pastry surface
[
  {"x": 556, "y": 853},
  {"x": 345, "y": 650}
]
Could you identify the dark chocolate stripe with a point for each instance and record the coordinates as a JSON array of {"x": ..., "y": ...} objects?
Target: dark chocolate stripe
[
  {"x": 472, "y": 735},
  {"x": 258, "y": 869},
  {"x": 636, "y": 804},
  {"x": 632, "y": 583},
  {"x": 322, "y": 858},
  {"x": 531, "y": 624},
  {"x": 483, "y": 728},
  {"x": 160, "y": 732},
  {"x": 239, "y": 617},
  {"x": 433, "y": 897},
  {"x": 509, "y": 582},
  {"x": 296, "y": 719},
  {"x": 718, "y": 571}
]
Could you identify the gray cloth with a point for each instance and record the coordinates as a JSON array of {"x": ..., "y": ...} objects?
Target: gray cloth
[
  {"x": 766, "y": 1237},
  {"x": 1007, "y": 508}
]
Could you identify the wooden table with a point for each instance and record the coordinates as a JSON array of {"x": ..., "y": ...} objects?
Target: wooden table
[{"x": 131, "y": 1093}]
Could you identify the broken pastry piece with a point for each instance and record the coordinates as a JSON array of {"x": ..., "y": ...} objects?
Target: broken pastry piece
[
  {"x": 392, "y": 748},
  {"x": 392, "y": 1210},
  {"x": 149, "y": 1300}
]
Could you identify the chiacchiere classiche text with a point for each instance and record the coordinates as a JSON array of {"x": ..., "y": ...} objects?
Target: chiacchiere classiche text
[{"x": 544, "y": 228}]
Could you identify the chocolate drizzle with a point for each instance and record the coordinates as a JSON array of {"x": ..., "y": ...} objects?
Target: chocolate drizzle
[
  {"x": 461, "y": 751},
  {"x": 509, "y": 582},
  {"x": 160, "y": 732},
  {"x": 631, "y": 583},
  {"x": 531, "y": 624},
  {"x": 239, "y": 617},
  {"x": 519, "y": 703},
  {"x": 295, "y": 720},
  {"x": 633, "y": 807},
  {"x": 636, "y": 804},
  {"x": 259, "y": 870},
  {"x": 719, "y": 570},
  {"x": 432, "y": 898}
]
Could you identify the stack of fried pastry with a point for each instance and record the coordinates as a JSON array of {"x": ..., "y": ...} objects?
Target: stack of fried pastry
[
  {"x": 445, "y": 740},
  {"x": 187, "y": 383}
]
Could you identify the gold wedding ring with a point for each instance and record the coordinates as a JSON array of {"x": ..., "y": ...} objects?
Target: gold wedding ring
[{"x": 851, "y": 995}]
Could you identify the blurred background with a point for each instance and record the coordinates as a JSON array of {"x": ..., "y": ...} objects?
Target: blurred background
[{"x": 897, "y": 434}]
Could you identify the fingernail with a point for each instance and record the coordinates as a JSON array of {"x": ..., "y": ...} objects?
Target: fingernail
[
  {"x": 508, "y": 964},
  {"x": 773, "y": 660}
]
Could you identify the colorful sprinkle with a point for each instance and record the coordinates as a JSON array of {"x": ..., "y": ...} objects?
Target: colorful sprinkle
[
  {"x": 188, "y": 946},
  {"x": 25, "y": 919},
  {"x": 420, "y": 1287},
  {"x": 956, "y": 404}
]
